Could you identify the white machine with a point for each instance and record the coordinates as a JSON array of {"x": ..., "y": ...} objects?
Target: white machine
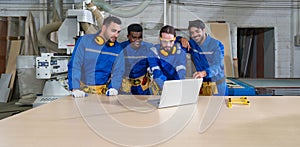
[{"x": 54, "y": 67}]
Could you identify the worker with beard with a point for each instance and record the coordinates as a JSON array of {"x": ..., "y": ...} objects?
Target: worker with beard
[
  {"x": 97, "y": 62},
  {"x": 171, "y": 61},
  {"x": 136, "y": 78},
  {"x": 208, "y": 57}
]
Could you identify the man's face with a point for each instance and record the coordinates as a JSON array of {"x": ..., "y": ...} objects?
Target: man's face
[
  {"x": 167, "y": 41},
  {"x": 112, "y": 31},
  {"x": 197, "y": 34},
  {"x": 135, "y": 39}
]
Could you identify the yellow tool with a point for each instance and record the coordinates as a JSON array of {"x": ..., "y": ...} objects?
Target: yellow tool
[{"x": 242, "y": 100}]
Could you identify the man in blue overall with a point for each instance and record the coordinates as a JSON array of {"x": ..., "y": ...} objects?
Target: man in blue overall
[
  {"x": 97, "y": 62},
  {"x": 171, "y": 61},
  {"x": 136, "y": 51},
  {"x": 208, "y": 56}
]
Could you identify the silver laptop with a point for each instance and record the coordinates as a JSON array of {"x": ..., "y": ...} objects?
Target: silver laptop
[{"x": 178, "y": 92}]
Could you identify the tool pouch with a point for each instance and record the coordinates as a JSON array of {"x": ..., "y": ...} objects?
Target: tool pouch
[
  {"x": 126, "y": 85},
  {"x": 145, "y": 82},
  {"x": 208, "y": 89}
]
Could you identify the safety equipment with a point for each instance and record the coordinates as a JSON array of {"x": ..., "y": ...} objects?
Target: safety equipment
[
  {"x": 109, "y": 43},
  {"x": 99, "y": 89},
  {"x": 78, "y": 94},
  {"x": 142, "y": 81},
  {"x": 166, "y": 40},
  {"x": 165, "y": 53},
  {"x": 112, "y": 92},
  {"x": 99, "y": 40}
]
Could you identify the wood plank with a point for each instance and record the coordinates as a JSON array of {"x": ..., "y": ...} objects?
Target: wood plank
[
  {"x": 221, "y": 31},
  {"x": 30, "y": 46},
  {"x": 4, "y": 84},
  {"x": 12, "y": 61}
]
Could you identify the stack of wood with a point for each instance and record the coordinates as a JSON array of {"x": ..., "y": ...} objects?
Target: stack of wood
[{"x": 19, "y": 40}]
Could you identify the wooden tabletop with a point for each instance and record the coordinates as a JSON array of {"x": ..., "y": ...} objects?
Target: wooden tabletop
[{"x": 130, "y": 121}]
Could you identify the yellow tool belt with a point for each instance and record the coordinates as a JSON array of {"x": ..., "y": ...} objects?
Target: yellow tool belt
[
  {"x": 142, "y": 81},
  {"x": 99, "y": 89},
  {"x": 210, "y": 88}
]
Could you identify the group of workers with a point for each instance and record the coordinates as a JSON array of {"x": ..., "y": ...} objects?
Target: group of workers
[{"x": 101, "y": 65}]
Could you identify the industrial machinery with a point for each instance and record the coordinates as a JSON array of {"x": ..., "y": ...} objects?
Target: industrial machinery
[{"x": 54, "y": 66}]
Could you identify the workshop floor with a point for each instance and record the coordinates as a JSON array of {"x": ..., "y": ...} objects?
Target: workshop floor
[{"x": 9, "y": 109}]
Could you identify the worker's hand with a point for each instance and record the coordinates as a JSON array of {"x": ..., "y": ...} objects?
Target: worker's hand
[
  {"x": 185, "y": 43},
  {"x": 199, "y": 74},
  {"x": 111, "y": 92},
  {"x": 78, "y": 94}
]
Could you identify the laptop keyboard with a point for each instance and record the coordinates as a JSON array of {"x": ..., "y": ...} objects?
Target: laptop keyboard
[{"x": 154, "y": 102}]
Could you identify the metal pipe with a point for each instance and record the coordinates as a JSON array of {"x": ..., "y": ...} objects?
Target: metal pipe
[
  {"x": 43, "y": 36},
  {"x": 119, "y": 12},
  {"x": 58, "y": 5},
  {"x": 298, "y": 17},
  {"x": 165, "y": 12}
]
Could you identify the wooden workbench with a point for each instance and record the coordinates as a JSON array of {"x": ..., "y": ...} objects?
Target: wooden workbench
[{"x": 102, "y": 121}]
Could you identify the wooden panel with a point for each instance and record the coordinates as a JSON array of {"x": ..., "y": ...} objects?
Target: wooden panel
[
  {"x": 4, "y": 84},
  {"x": 221, "y": 31},
  {"x": 12, "y": 60}
]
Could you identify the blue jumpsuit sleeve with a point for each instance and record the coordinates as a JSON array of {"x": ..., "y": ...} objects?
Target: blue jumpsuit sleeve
[
  {"x": 181, "y": 62},
  {"x": 214, "y": 65},
  {"x": 181, "y": 65},
  {"x": 117, "y": 72},
  {"x": 154, "y": 64},
  {"x": 75, "y": 64}
]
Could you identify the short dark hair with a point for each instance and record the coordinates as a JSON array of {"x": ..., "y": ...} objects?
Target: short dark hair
[
  {"x": 196, "y": 23},
  {"x": 167, "y": 29},
  {"x": 134, "y": 28},
  {"x": 110, "y": 19}
]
